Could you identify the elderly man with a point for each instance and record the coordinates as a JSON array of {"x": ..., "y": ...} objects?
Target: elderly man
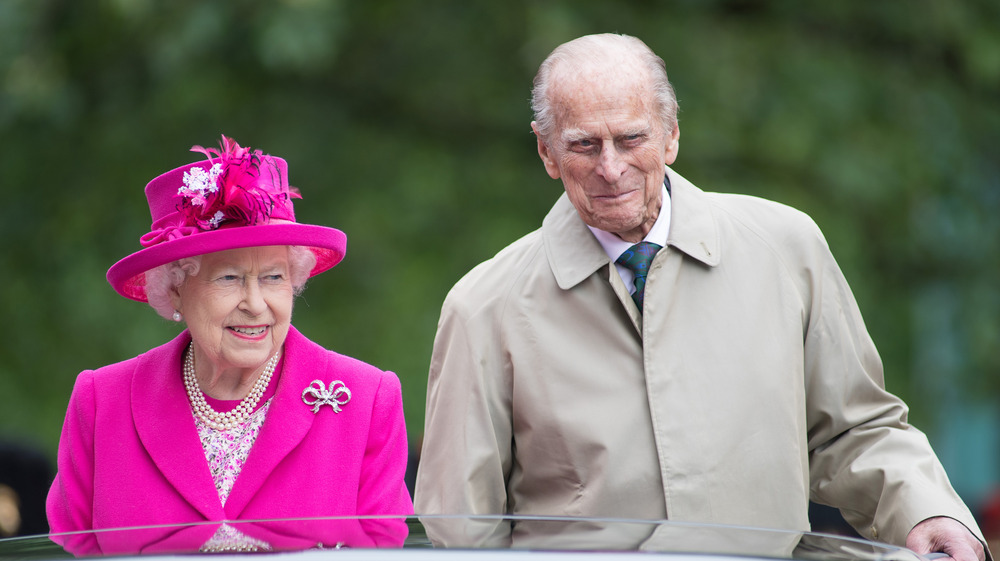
[{"x": 655, "y": 351}]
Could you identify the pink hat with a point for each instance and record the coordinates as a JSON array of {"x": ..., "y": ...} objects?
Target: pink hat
[{"x": 238, "y": 198}]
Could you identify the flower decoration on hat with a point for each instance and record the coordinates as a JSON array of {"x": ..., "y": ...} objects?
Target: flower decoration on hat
[{"x": 241, "y": 187}]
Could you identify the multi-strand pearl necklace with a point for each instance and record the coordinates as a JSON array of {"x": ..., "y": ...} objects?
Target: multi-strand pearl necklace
[{"x": 229, "y": 419}]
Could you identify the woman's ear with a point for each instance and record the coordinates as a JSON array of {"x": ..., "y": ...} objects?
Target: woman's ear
[{"x": 175, "y": 298}]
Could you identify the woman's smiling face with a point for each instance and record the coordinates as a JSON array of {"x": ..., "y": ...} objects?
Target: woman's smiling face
[{"x": 238, "y": 307}]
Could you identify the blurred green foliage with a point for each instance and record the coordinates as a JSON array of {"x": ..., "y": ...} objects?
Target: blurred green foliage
[{"x": 406, "y": 124}]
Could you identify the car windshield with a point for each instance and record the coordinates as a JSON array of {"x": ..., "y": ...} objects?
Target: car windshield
[{"x": 551, "y": 537}]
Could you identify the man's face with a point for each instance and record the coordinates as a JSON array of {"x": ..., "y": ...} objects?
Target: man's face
[{"x": 609, "y": 147}]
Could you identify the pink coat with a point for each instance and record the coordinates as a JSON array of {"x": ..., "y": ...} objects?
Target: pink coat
[{"x": 130, "y": 455}]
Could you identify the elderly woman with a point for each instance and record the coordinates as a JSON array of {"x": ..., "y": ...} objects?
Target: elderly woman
[{"x": 240, "y": 417}]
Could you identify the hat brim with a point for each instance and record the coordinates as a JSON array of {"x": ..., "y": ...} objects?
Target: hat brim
[{"x": 128, "y": 276}]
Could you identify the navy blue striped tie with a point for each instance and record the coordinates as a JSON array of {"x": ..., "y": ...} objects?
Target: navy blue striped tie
[{"x": 637, "y": 258}]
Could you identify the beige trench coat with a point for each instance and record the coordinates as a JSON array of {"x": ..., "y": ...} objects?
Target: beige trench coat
[{"x": 749, "y": 386}]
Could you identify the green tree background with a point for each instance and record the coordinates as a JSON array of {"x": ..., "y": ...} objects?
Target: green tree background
[{"x": 405, "y": 124}]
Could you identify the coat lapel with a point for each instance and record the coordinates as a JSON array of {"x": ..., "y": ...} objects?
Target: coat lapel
[
  {"x": 692, "y": 226},
  {"x": 165, "y": 425},
  {"x": 570, "y": 247},
  {"x": 287, "y": 423}
]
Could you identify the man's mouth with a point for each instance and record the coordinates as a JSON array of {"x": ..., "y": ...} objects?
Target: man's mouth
[{"x": 614, "y": 196}]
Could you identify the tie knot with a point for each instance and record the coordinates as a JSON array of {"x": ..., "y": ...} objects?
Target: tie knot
[{"x": 638, "y": 257}]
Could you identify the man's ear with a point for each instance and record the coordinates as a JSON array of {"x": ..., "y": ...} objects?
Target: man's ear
[
  {"x": 673, "y": 146},
  {"x": 545, "y": 153}
]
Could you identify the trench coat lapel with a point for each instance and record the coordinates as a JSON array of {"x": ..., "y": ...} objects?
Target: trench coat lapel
[
  {"x": 165, "y": 425},
  {"x": 693, "y": 230},
  {"x": 288, "y": 421},
  {"x": 570, "y": 247}
]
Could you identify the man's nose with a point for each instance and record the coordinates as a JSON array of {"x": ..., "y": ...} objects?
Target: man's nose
[{"x": 611, "y": 164}]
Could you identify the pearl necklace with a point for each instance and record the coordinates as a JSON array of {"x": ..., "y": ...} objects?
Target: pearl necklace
[{"x": 229, "y": 419}]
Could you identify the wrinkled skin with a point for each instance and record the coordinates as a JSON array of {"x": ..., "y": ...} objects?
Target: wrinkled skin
[
  {"x": 609, "y": 147},
  {"x": 946, "y": 535}
]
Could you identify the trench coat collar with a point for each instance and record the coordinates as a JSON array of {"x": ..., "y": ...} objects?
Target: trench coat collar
[
  {"x": 574, "y": 253},
  {"x": 166, "y": 427}
]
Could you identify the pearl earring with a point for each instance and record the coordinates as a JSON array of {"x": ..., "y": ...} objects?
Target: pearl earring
[{"x": 177, "y": 316}]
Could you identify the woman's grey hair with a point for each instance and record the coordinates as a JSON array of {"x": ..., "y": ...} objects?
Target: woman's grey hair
[
  {"x": 597, "y": 47},
  {"x": 160, "y": 281}
]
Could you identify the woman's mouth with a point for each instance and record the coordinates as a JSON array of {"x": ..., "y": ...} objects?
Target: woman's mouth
[{"x": 246, "y": 331}]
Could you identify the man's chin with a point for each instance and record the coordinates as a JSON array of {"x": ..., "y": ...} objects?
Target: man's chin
[{"x": 622, "y": 228}]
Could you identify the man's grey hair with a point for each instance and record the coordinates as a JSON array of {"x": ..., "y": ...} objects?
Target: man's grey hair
[
  {"x": 597, "y": 47},
  {"x": 161, "y": 280}
]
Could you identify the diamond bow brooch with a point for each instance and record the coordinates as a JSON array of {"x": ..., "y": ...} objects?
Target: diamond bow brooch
[{"x": 318, "y": 395}]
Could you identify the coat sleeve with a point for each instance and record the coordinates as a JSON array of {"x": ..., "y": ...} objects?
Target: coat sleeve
[
  {"x": 466, "y": 454},
  {"x": 69, "y": 505},
  {"x": 382, "y": 490},
  {"x": 865, "y": 458}
]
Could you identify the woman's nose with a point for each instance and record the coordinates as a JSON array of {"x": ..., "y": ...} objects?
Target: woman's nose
[{"x": 253, "y": 299}]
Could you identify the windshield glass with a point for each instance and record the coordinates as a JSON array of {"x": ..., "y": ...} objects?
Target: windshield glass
[{"x": 549, "y": 535}]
